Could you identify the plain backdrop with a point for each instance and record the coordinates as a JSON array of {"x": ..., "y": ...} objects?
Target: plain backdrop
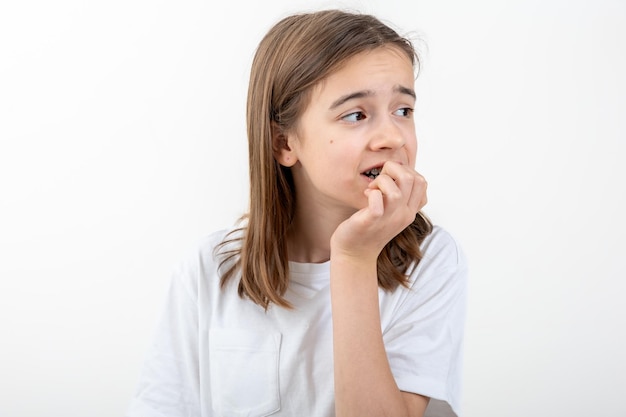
[{"x": 122, "y": 143}]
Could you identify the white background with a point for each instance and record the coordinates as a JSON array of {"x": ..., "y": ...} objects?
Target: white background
[{"x": 123, "y": 142}]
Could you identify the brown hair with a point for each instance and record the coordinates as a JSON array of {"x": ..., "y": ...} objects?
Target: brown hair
[{"x": 295, "y": 55}]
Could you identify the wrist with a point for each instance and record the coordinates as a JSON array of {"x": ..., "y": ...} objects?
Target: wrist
[
  {"x": 352, "y": 257},
  {"x": 351, "y": 269}
]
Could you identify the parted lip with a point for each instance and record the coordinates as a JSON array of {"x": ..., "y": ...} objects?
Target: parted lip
[{"x": 379, "y": 165}]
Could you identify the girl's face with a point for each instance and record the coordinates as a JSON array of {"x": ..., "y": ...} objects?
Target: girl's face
[{"x": 359, "y": 117}]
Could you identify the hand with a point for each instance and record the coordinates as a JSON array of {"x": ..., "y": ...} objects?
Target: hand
[{"x": 394, "y": 198}]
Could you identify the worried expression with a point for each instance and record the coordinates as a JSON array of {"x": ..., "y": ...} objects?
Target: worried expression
[{"x": 358, "y": 118}]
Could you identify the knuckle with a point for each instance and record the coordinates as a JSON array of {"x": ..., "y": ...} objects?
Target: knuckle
[
  {"x": 394, "y": 195},
  {"x": 406, "y": 177},
  {"x": 421, "y": 180}
]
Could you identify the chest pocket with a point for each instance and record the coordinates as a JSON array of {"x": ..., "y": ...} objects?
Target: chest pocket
[{"x": 244, "y": 372}]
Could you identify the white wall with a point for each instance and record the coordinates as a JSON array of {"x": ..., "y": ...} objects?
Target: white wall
[{"x": 122, "y": 142}]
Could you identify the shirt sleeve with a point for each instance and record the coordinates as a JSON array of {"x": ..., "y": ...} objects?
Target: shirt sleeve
[
  {"x": 169, "y": 381},
  {"x": 423, "y": 327}
]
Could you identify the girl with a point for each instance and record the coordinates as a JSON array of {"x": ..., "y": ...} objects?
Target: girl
[{"x": 335, "y": 296}]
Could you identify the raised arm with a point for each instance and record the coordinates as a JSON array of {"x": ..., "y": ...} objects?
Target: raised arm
[{"x": 364, "y": 384}]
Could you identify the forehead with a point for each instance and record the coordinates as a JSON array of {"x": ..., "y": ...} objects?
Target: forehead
[{"x": 371, "y": 70}]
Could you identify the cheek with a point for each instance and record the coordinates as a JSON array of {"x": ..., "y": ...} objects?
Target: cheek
[{"x": 412, "y": 148}]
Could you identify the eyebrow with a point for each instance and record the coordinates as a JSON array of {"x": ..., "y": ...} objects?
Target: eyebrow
[
  {"x": 405, "y": 90},
  {"x": 368, "y": 93}
]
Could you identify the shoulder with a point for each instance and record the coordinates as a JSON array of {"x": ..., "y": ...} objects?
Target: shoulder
[
  {"x": 215, "y": 239},
  {"x": 210, "y": 247},
  {"x": 204, "y": 248},
  {"x": 443, "y": 260},
  {"x": 442, "y": 249},
  {"x": 204, "y": 258}
]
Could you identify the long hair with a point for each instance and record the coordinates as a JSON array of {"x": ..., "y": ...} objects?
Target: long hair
[{"x": 293, "y": 57}]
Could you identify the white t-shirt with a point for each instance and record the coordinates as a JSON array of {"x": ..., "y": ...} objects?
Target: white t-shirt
[{"x": 217, "y": 354}]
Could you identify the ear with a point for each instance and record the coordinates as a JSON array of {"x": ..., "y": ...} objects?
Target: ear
[{"x": 281, "y": 146}]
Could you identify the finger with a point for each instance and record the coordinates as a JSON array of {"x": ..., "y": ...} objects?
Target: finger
[
  {"x": 388, "y": 187},
  {"x": 403, "y": 177},
  {"x": 375, "y": 202},
  {"x": 418, "y": 197}
]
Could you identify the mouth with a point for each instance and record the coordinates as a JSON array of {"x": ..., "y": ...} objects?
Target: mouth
[{"x": 372, "y": 173}]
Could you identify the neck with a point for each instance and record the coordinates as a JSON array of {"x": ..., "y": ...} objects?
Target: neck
[{"x": 310, "y": 233}]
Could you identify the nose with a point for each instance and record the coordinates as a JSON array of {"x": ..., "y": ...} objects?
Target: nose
[{"x": 387, "y": 134}]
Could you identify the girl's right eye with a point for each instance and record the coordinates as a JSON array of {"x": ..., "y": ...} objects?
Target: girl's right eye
[{"x": 354, "y": 117}]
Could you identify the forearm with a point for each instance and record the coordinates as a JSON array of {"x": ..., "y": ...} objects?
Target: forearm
[{"x": 364, "y": 384}]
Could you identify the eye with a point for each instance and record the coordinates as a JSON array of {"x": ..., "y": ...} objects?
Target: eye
[
  {"x": 354, "y": 117},
  {"x": 404, "y": 112}
]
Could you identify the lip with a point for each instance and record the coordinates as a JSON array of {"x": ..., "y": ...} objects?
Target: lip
[
  {"x": 370, "y": 168},
  {"x": 380, "y": 165}
]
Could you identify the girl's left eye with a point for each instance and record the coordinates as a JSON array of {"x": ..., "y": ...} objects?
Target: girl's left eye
[
  {"x": 354, "y": 116},
  {"x": 404, "y": 112}
]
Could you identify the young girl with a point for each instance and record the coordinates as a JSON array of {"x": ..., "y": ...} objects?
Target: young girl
[{"x": 335, "y": 296}]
